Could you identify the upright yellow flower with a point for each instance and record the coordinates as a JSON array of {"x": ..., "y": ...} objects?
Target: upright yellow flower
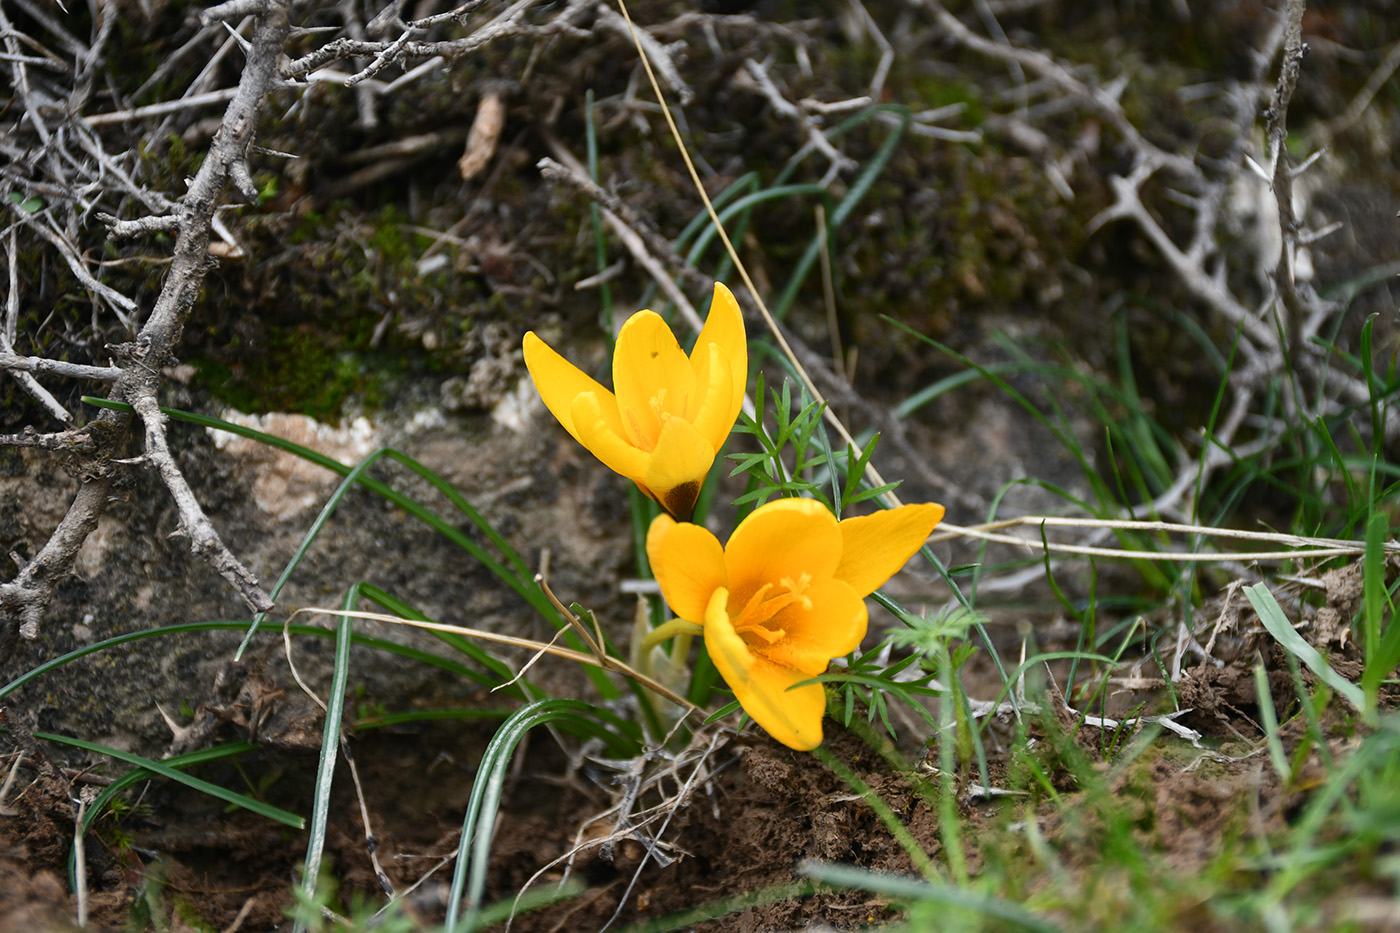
[
  {"x": 671, "y": 413},
  {"x": 784, "y": 597}
]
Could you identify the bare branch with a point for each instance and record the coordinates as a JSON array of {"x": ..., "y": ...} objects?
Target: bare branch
[
  {"x": 38, "y": 364},
  {"x": 509, "y": 23},
  {"x": 660, "y": 56},
  {"x": 364, "y": 96},
  {"x": 242, "y": 181},
  {"x": 1348, "y": 117},
  {"x": 204, "y": 541},
  {"x": 1188, "y": 266},
  {"x": 23, "y": 600},
  {"x": 23, "y": 376},
  {"x": 657, "y": 244},
  {"x": 1099, "y": 100},
  {"x": 69, "y": 252},
  {"x": 67, "y": 441},
  {"x": 119, "y": 229},
  {"x": 162, "y": 108},
  {"x": 235, "y": 9},
  {"x": 785, "y": 108}
]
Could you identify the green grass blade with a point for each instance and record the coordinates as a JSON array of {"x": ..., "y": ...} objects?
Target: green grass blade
[
  {"x": 1271, "y": 614},
  {"x": 948, "y": 383},
  {"x": 427, "y": 715},
  {"x": 1373, "y": 593},
  {"x": 474, "y": 848},
  {"x": 1382, "y": 644},
  {"x": 499, "y": 674},
  {"x": 1039, "y": 659},
  {"x": 746, "y": 183},
  {"x": 1369, "y": 375},
  {"x": 503, "y": 911},
  {"x": 842, "y": 212},
  {"x": 137, "y": 775},
  {"x": 403, "y": 501},
  {"x": 887, "y": 816},
  {"x": 174, "y": 774},
  {"x": 916, "y": 890},
  {"x": 708, "y": 234},
  {"x": 722, "y": 907},
  {"x": 330, "y": 747},
  {"x": 521, "y": 579},
  {"x": 1269, "y": 715},
  {"x": 238, "y": 625}
]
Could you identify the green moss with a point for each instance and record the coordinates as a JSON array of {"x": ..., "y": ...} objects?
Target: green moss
[
  {"x": 931, "y": 91},
  {"x": 294, "y": 375},
  {"x": 314, "y": 327}
]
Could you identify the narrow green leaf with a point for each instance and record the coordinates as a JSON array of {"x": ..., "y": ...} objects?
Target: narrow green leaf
[
  {"x": 919, "y": 890},
  {"x": 1270, "y": 722},
  {"x": 330, "y": 747},
  {"x": 1382, "y": 642},
  {"x": 135, "y": 776},
  {"x": 1271, "y": 614},
  {"x": 725, "y": 710},
  {"x": 194, "y": 783},
  {"x": 478, "y": 825}
]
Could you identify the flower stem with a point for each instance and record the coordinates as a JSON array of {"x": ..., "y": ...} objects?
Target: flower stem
[{"x": 675, "y": 628}]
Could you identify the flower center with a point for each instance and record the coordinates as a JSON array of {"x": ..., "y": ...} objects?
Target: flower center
[
  {"x": 647, "y": 428},
  {"x": 757, "y": 622}
]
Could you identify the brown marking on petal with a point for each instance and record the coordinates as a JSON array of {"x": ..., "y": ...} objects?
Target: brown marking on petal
[{"x": 679, "y": 501}]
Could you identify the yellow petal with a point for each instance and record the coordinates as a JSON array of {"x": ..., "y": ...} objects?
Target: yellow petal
[
  {"x": 874, "y": 547},
  {"x": 763, "y": 689},
  {"x": 676, "y": 469},
  {"x": 559, "y": 382},
  {"x": 724, "y": 328},
  {"x": 713, "y": 415},
  {"x": 605, "y": 441},
  {"x": 651, "y": 375},
  {"x": 783, "y": 539},
  {"x": 688, "y": 562},
  {"x": 830, "y": 623}
]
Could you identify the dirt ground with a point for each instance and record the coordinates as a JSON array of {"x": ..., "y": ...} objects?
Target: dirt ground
[
  {"x": 744, "y": 830},
  {"x": 747, "y": 829}
]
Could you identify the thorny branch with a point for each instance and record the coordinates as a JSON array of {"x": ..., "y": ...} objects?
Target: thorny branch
[
  {"x": 23, "y": 599},
  {"x": 73, "y": 172},
  {"x": 510, "y": 24},
  {"x": 1276, "y": 333}
]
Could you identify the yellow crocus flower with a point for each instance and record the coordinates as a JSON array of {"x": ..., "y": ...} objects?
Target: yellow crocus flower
[
  {"x": 671, "y": 412},
  {"x": 783, "y": 597}
]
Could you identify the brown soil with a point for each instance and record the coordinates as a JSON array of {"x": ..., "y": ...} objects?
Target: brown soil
[{"x": 746, "y": 830}]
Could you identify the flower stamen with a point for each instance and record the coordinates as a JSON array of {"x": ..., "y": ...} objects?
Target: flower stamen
[
  {"x": 799, "y": 588},
  {"x": 757, "y": 616},
  {"x": 646, "y": 441}
]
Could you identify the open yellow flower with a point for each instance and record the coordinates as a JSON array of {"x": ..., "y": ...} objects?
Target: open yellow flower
[
  {"x": 671, "y": 413},
  {"x": 784, "y": 597}
]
